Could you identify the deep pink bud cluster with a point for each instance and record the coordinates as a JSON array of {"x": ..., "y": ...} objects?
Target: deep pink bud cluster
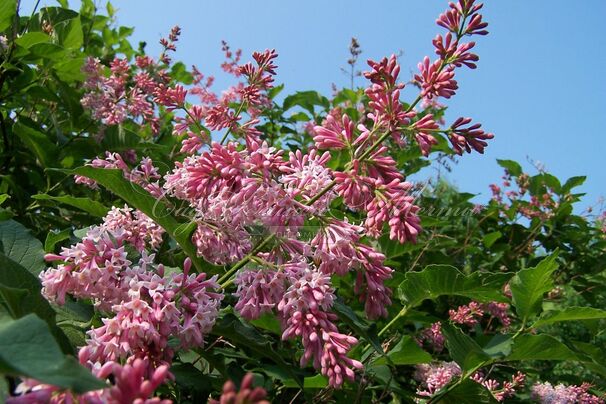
[
  {"x": 468, "y": 138},
  {"x": 467, "y": 315},
  {"x": 125, "y": 93},
  {"x": 423, "y": 132},
  {"x": 132, "y": 383},
  {"x": 246, "y": 395},
  {"x": 436, "y": 79},
  {"x": 472, "y": 313},
  {"x": 260, "y": 77},
  {"x": 498, "y": 391},
  {"x": 388, "y": 112},
  {"x": 305, "y": 312}
]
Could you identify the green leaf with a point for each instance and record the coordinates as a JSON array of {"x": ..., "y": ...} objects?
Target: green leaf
[
  {"x": 71, "y": 36},
  {"x": 406, "y": 352},
  {"x": 19, "y": 245},
  {"x": 529, "y": 285},
  {"x": 14, "y": 299},
  {"x": 38, "y": 143},
  {"x": 463, "y": 350},
  {"x": 48, "y": 51},
  {"x": 247, "y": 337},
  {"x": 188, "y": 376},
  {"x": 307, "y": 100},
  {"x": 8, "y": 9},
  {"x": 313, "y": 382},
  {"x": 95, "y": 208},
  {"x": 70, "y": 70},
  {"x": 53, "y": 237},
  {"x": 3, "y": 198},
  {"x": 14, "y": 276},
  {"x": 28, "y": 349},
  {"x": 139, "y": 198},
  {"x": 439, "y": 280},
  {"x": 32, "y": 38},
  {"x": 491, "y": 238},
  {"x": 268, "y": 322},
  {"x": 539, "y": 347},
  {"x": 573, "y": 182},
  {"x": 499, "y": 346},
  {"x": 511, "y": 166},
  {"x": 360, "y": 326},
  {"x": 468, "y": 391},
  {"x": 569, "y": 314}
]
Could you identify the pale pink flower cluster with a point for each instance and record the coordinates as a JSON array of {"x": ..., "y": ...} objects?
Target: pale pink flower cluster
[
  {"x": 132, "y": 91},
  {"x": 145, "y": 174},
  {"x": 536, "y": 206},
  {"x": 432, "y": 377},
  {"x": 132, "y": 383},
  {"x": 112, "y": 99},
  {"x": 473, "y": 312},
  {"x": 178, "y": 306},
  {"x": 546, "y": 393},
  {"x": 98, "y": 267},
  {"x": 143, "y": 307},
  {"x": 498, "y": 391}
]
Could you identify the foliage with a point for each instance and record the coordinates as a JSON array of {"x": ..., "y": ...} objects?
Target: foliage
[{"x": 224, "y": 260}]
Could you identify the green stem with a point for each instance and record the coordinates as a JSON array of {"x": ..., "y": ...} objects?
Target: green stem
[
  {"x": 401, "y": 314},
  {"x": 229, "y": 129}
]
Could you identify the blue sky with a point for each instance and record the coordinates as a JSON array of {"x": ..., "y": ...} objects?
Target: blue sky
[{"x": 540, "y": 86}]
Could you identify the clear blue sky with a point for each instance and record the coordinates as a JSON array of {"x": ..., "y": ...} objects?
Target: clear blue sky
[{"x": 540, "y": 86}]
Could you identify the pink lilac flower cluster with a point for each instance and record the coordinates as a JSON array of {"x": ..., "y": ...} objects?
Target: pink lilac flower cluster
[
  {"x": 432, "y": 337},
  {"x": 234, "y": 189},
  {"x": 132, "y": 91},
  {"x": 436, "y": 79},
  {"x": 305, "y": 312},
  {"x": 498, "y": 391},
  {"x": 546, "y": 393},
  {"x": 432, "y": 377},
  {"x": 536, "y": 206},
  {"x": 143, "y": 308},
  {"x": 132, "y": 383},
  {"x": 473, "y": 312},
  {"x": 98, "y": 267},
  {"x": 145, "y": 174},
  {"x": 246, "y": 395}
]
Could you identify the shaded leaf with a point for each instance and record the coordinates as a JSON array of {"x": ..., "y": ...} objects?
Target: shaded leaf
[
  {"x": 529, "y": 285},
  {"x": 468, "y": 391},
  {"x": 439, "y": 280},
  {"x": 569, "y": 314},
  {"x": 28, "y": 349},
  {"x": 95, "y": 208},
  {"x": 539, "y": 347},
  {"x": 463, "y": 349},
  {"x": 406, "y": 352},
  {"x": 19, "y": 245}
]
